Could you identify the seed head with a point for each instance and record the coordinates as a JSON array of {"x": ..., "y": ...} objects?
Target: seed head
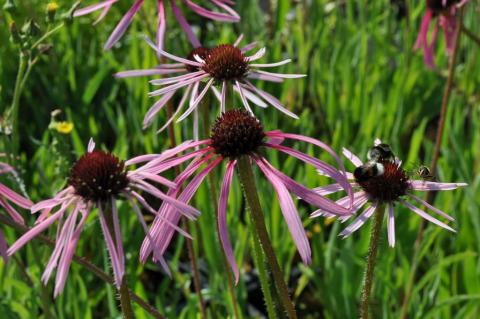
[{"x": 226, "y": 63}]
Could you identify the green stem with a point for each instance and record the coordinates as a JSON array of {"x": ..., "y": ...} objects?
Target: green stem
[
  {"x": 371, "y": 260},
  {"x": 14, "y": 109},
  {"x": 471, "y": 35},
  {"x": 436, "y": 154},
  {"x": 251, "y": 195},
  {"x": 262, "y": 274},
  {"x": 47, "y": 34}
]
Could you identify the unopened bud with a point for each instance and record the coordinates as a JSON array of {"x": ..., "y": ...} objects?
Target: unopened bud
[
  {"x": 14, "y": 34},
  {"x": 31, "y": 28},
  {"x": 52, "y": 8}
]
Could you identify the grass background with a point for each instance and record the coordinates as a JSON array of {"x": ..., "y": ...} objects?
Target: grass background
[{"x": 364, "y": 81}]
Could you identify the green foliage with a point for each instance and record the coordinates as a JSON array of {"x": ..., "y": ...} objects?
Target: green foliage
[{"x": 364, "y": 81}]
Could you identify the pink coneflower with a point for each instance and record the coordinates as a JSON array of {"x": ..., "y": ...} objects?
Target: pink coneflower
[
  {"x": 444, "y": 11},
  {"x": 235, "y": 134},
  {"x": 98, "y": 179},
  {"x": 228, "y": 15},
  {"x": 384, "y": 183},
  {"x": 7, "y": 195},
  {"x": 225, "y": 65}
]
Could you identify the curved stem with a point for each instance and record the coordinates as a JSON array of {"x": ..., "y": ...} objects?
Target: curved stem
[
  {"x": 251, "y": 195},
  {"x": 87, "y": 265},
  {"x": 371, "y": 260},
  {"x": 433, "y": 167}
]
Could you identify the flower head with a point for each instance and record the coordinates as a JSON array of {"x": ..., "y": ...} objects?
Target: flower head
[
  {"x": 228, "y": 15},
  {"x": 98, "y": 179},
  {"x": 7, "y": 198},
  {"x": 443, "y": 12},
  {"x": 226, "y": 66},
  {"x": 235, "y": 134},
  {"x": 384, "y": 182}
]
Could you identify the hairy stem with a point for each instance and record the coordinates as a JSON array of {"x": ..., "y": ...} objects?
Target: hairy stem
[
  {"x": 262, "y": 273},
  {"x": 436, "y": 154},
  {"x": 371, "y": 260},
  {"x": 251, "y": 195},
  {"x": 87, "y": 265}
]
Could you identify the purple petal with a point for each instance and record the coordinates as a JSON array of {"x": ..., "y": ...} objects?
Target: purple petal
[
  {"x": 222, "y": 218},
  {"x": 161, "y": 24},
  {"x": 211, "y": 14},
  {"x": 432, "y": 208},
  {"x": 14, "y": 197},
  {"x": 426, "y": 216},
  {"x": 434, "y": 186},
  {"x": 352, "y": 157},
  {"x": 391, "y": 226},
  {"x": 12, "y": 212},
  {"x": 147, "y": 72},
  {"x": 357, "y": 223},
  {"x": 289, "y": 212},
  {"x": 147, "y": 120},
  {"x": 122, "y": 25},
  {"x": 116, "y": 262},
  {"x": 185, "y": 26},
  {"x": 92, "y": 8}
]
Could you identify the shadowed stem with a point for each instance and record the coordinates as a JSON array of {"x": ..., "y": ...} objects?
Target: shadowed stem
[
  {"x": 125, "y": 303},
  {"x": 262, "y": 273},
  {"x": 251, "y": 195},
  {"x": 371, "y": 260},
  {"x": 433, "y": 167},
  {"x": 87, "y": 265},
  {"x": 186, "y": 225},
  {"x": 213, "y": 195}
]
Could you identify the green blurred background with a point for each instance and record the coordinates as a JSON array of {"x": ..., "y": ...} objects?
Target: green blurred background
[{"x": 364, "y": 81}]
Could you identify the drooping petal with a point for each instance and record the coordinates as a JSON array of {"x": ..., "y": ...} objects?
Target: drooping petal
[
  {"x": 421, "y": 185},
  {"x": 211, "y": 14},
  {"x": 357, "y": 223},
  {"x": 93, "y": 8},
  {"x": 432, "y": 208},
  {"x": 391, "y": 226},
  {"x": 185, "y": 26},
  {"x": 222, "y": 218},
  {"x": 123, "y": 25},
  {"x": 426, "y": 216},
  {"x": 111, "y": 247},
  {"x": 14, "y": 197},
  {"x": 289, "y": 212},
  {"x": 162, "y": 24},
  {"x": 352, "y": 157}
]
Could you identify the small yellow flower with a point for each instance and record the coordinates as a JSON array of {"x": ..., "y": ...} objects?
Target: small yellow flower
[
  {"x": 52, "y": 6},
  {"x": 64, "y": 127},
  {"x": 317, "y": 228}
]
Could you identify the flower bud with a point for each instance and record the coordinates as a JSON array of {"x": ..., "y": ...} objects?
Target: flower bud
[
  {"x": 52, "y": 8},
  {"x": 9, "y": 6}
]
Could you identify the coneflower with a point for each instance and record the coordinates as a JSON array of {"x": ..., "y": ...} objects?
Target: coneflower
[
  {"x": 236, "y": 134},
  {"x": 8, "y": 196},
  {"x": 388, "y": 184},
  {"x": 228, "y": 15},
  {"x": 225, "y": 66},
  {"x": 98, "y": 179},
  {"x": 443, "y": 13}
]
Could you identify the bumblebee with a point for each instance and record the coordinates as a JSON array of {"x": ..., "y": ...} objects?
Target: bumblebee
[
  {"x": 368, "y": 170},
  {"x": 381, "y": 153}
]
